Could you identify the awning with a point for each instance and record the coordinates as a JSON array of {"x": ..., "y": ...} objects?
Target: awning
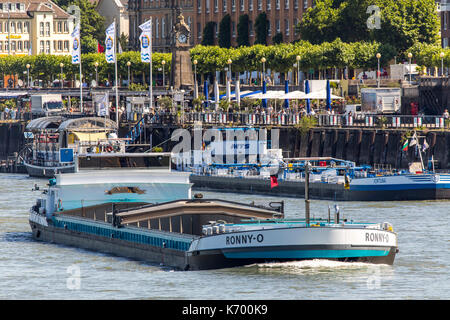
[
  {"x": 320, "y": 95},
  {"x": 88, "y": 136}
]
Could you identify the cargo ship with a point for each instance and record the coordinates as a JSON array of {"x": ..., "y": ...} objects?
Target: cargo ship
[{"x": 149, "y": 214}]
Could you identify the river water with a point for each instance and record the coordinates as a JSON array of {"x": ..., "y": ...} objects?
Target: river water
[{"x": 36, "y": 270}]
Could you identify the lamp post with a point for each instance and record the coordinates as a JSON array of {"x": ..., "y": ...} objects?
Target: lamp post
[
  {"x": 298, "y": 69},
  {"x": 442, "y": 62},
  {"x": 28, "y": 74},
  {"x": 128, "y": 65},
  {"x": 378, "y": 72},
  {"x": 229, "y": 62},
  {"x": 61, "y": 65},
  {"x": 409, "y": 57},
  {"x": 96, "y": 72},
  {"x": 263, "y": 60},
  {"x": 163, "y": 63},
  {"x": 195, "y": 79}
]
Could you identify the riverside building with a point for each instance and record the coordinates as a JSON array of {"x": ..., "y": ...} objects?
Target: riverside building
[
  {"x": 29, "y": 27},
  {"x": 282, "y": 16}
]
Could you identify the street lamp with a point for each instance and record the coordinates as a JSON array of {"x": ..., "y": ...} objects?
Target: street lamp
[
  {"x": 96, "y": 72},
  {"x": 28, "y": 74},
  {"x": 61, "y": 65},
  {"x": 164, "y": 76},
  {"x": 298, "y": 69},
  {"x": 195, "y": 79},
  {"x": 378, "y": 72},
  {"x": 442, "y": 62},
  {"x": 229, "y": 62},
  {"x": 263, "y": 60},
  {"x": 128, "y": 65},
  {"x": 409, "y": 57}
]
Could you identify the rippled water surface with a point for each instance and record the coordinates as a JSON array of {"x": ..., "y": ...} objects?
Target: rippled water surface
[{"x": 35, "y": 270}]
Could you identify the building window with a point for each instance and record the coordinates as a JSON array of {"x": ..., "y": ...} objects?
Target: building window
[
  {"x": 6, "y": 46},
  {"x": 216, "y": 5},
  {"x": 26, "y": 27},
  {"x": 277, "y": 4},
  {"x": 305, "y": 4},
  {"x": 199, "y": 6},
  {"x": 295, "y": 4},
  {"x": 59, "y": 27},
  {"x": 268, "y": 5},
  {"x": 241, "y": 5},
  {"x": 60, "y": 45},
  {"x": 277, "y": 25},
  {"x": 269, "y": 28},
  {"x": 41, "y": 46},
  {"x": 47, "y": 47},
  {"x": 233, "y": 5},
  {"x": 250, "y": 5},
  {"x": 25, "y": 45},
  {"x": 19, "y": 27},
  {"x": 224, "y": 3},
  {"x": 286, "y": 26},
  {"x": 13, "y": 45},
  {"x": 66, "y": 27},
  {"x": 1, "y": 27},
  {"x": 157, "y": 29},
  {"x": 41, "y": 30},
  {"x": 1, "y": 46},
  {"x": 163, "y": 28},
  {"x": 13, "y": 27},
  {"x": 233, "y": 29},
  {"x": 199, "y": 30},
  {"x": 47, "y": 29},
  {"x": 259, "y": 5},
  {"x": 286, "y": 4},
  {"x": 19, "y": 45},
  {"x": 66, "y": 45}
]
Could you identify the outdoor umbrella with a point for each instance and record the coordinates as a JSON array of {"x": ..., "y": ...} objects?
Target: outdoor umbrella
[
  {"x": 321, "y": 95},
  {"x": 308, "y": 103},
  {"x": 294, "y": 95},
  {"x": 286, "y": 90},
  {"x": 328, "y": 95}
]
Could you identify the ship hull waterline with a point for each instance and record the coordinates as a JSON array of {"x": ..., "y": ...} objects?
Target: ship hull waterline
[{"x": 214, "y": 258}]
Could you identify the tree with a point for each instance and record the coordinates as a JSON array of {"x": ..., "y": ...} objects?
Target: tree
[
  {"x": 92, "y": 24},
  {"x": 277, "y": 38},
  {"x": 242, "y": 30},
  {"x": 261, "y": 27},
  {"x": 225, "y": 32},
  {"x": 208, "y": 34}
]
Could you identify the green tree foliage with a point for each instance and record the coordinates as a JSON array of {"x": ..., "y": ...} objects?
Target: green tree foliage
[
  {"x": 261, "y": 27},
  {"x": 401, "y": 22},
  {"x": 208, "y": 34},
  {"x": 242, "y": 31},
  {"x": 225, "y": 32}
]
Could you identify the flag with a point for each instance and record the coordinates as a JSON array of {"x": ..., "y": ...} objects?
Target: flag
[
  {"x": 76, "y": 48},
  {"x": 146, "y": 41},
  {"x": 425, "y": 146},
  {"x": 273, "y": 182},
  {"x": 110, "y": 43},
  {"x": 413, "y": 141},
  {"x": 100, "y": 48},
  {"x": 102, "y": 102},
  {"x": 405, "y": 146}
]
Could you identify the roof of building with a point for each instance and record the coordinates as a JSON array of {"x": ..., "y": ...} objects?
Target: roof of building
[{"x": 37, "y": 6}]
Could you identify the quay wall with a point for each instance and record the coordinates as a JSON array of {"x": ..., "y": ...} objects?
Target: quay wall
[
  {"x": 363, "y": 145},
  {"x": 371, "y": 146}
]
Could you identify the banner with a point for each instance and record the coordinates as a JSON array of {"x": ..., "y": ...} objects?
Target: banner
[
  {"x": 110, "y": 42},
  {"x": 146, "y": 41},
  {"x": 102, "y": 102},
  {"x": 76, "y": 49}
]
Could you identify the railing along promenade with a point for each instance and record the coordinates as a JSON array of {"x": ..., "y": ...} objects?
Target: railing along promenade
[
  {"x": 261, "y": 119},
  {"x": 295, "y": 119}
]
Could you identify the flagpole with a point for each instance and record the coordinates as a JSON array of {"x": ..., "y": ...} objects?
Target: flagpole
[
  {"x": 115, "y": 67},
  {"x": 81, "y": 89},
  {"x": 151, "y": 64}
]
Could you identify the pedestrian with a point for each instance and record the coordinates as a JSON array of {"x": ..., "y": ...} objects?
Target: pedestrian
[{"x": 446, "y": 114}]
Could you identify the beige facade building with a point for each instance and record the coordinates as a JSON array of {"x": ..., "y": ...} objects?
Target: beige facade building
[{"x": 34, "y": 27}]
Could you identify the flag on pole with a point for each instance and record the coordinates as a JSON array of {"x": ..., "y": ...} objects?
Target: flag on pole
[
  {"x": 102, "y": 102},
  {"x": 405, "y": 145},
  {"x": 76, "y": 48},
  {"x": 110, "y": 42},
  {"x": 100, "y": 48},
  {"x": 413, "y": 141},
  {"x": 425, "y": 146},
  {"x": 146, "y": 41}
]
